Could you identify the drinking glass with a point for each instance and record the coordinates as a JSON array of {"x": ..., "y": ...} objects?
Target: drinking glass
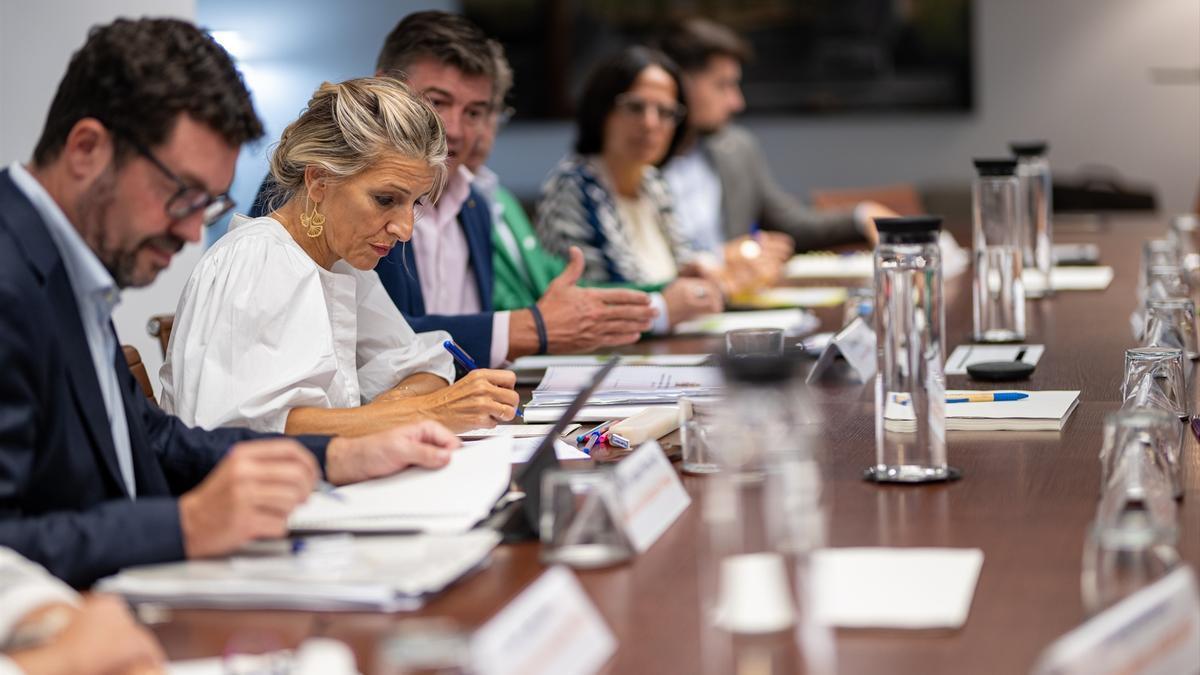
[{"x": 1155, "y": 378}]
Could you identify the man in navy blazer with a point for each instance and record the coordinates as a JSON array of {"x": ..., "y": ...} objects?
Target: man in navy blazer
[
  {"x": 136, "y": 156},
  {"x": 443, "y": 279}
]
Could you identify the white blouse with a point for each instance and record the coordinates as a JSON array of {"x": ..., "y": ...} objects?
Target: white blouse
[{"x": 261, "y": 329}]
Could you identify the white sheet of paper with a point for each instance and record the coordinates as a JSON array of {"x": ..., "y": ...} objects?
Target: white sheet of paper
[
  {"x": 792, "y": 321},
  {"x": 1070, "y": 278},
  {"x": 450, "y": 499},
  {"x": 966, "y": 355},
  {"x": 894, "y": 587},
  {"x": 1154, "y": 631},
  {"x": 651, "y": 494},
  {"x": 551, "y": 628},
  {"x": 523, "y": 449},
  {"x": 514, "y": 430}
]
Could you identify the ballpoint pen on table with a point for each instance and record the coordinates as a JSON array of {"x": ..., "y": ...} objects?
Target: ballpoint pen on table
[
  {"x": 975, "y": 397},
  {"x": 598, "y": 429},
  {"x": 468, "y": 364},
  {"x": 986, "y": 397}
]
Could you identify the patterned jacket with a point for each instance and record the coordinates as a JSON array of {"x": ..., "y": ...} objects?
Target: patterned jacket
[{"x": 578, "y": 209}]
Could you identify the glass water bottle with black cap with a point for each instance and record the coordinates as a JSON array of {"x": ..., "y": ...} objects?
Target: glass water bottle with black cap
[
  {"x": 1037, "y": 230},
  {"x": 998, "y": 289},
  {"x": 910, "y": 326}
]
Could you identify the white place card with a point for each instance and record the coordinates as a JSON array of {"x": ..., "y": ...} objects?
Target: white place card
[
  {"x": 1155, "y": 631},
  {"x": 551, "y": 628},
  {"x": 651, "y": 494},
  {"x": 856, "y": 344}
]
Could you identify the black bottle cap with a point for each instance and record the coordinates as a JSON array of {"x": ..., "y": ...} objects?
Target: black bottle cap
[
  {"x": 908, "y": 229},
  {"x": 996, "y": 167},
  {"x": 1028, "y": 148}
]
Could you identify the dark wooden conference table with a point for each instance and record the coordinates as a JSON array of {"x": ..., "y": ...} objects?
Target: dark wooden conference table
[{"x": 1026, "y": 499}]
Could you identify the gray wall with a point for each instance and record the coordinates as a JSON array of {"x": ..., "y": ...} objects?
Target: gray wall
[{"x": 1076, "y": 72}]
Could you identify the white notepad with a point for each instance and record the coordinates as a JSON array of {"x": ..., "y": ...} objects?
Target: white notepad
[
  {"x": 447, "y": 500},
  {"x": 1042, "y": 411},
  {"x": 915, "y": 588},
  {"x": 791, "y": 321},
  {"x": 967, "y": 355}
]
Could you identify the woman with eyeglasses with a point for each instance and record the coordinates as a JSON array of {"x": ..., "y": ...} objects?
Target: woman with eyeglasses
[
  {"x": 609, "y": 198},
  {"x": 284, "y": 325}
]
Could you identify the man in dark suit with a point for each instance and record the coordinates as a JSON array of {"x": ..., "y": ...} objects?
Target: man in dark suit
[
  {"x": 136, "y": 157},
  {"x": 443, "y": 278}
]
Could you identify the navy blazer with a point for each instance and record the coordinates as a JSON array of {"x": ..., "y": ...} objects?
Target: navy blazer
[
  {"x": 399, "y": 274},
  {"x": 63, "y": 503}
]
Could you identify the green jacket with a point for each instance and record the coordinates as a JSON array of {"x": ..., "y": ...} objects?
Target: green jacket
[{"x": 513, "y": 290}]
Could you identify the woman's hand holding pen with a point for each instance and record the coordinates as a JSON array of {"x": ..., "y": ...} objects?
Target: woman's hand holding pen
[{"x": 483, "y": 398}]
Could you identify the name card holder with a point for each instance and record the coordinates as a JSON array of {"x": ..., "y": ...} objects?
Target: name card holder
[
  {"x": 551, "y": 628},
  {"x": 651, "y": 494},
  {"x": 1155, "y": 631},
  {"x": 856, "y": 344}
]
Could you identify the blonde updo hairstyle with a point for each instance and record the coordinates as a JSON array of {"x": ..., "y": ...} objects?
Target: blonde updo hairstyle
[{"x": 349, "y": 126}]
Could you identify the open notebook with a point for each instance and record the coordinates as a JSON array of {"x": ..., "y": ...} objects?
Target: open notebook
[
  {"x": 1041, "y": 411},
  {"x": 447, "y": 500}
]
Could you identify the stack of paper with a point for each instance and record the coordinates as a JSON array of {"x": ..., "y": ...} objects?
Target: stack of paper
[
  {"x": 912, "y": 588},
  {"x": 791, "y": 321},
  {"x": 1040, "y": 411},
  {"x": 788, "y": 296},
  {"x": 529, "y": 369},
  {"x": 626, "y": 391},
  {"x": 545, "y": 361},
  {"x": 384, "y": 574},
  {"x": 447, "y": 500}
]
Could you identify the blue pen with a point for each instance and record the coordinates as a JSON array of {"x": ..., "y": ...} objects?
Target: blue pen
[
  {"x": 987, "y": 397},
  {"x": 468, "y": 364},
  {"x": 460, "y": 356},
  {"x": 755, "y": 229}
]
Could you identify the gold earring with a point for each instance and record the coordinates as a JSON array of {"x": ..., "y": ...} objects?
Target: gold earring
[{"x": 314, "y": 222}]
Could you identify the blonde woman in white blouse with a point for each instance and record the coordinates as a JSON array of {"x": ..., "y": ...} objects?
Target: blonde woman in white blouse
[
  {"x": 46, "y": 628},
  {"x": 284, "y": 325}
]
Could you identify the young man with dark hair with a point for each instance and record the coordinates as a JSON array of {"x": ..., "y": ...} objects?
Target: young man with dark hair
[
  {"x": 722, "y": 184},
  {"x": 136, "y": 157}
]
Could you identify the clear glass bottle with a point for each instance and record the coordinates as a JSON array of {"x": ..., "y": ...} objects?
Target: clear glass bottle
[
  {"x": 762, "y": 515},
  {"x": 999, "y": 292},
  {"x": 1033, "y": 173},
  {"x": 910, "y": 325}
]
